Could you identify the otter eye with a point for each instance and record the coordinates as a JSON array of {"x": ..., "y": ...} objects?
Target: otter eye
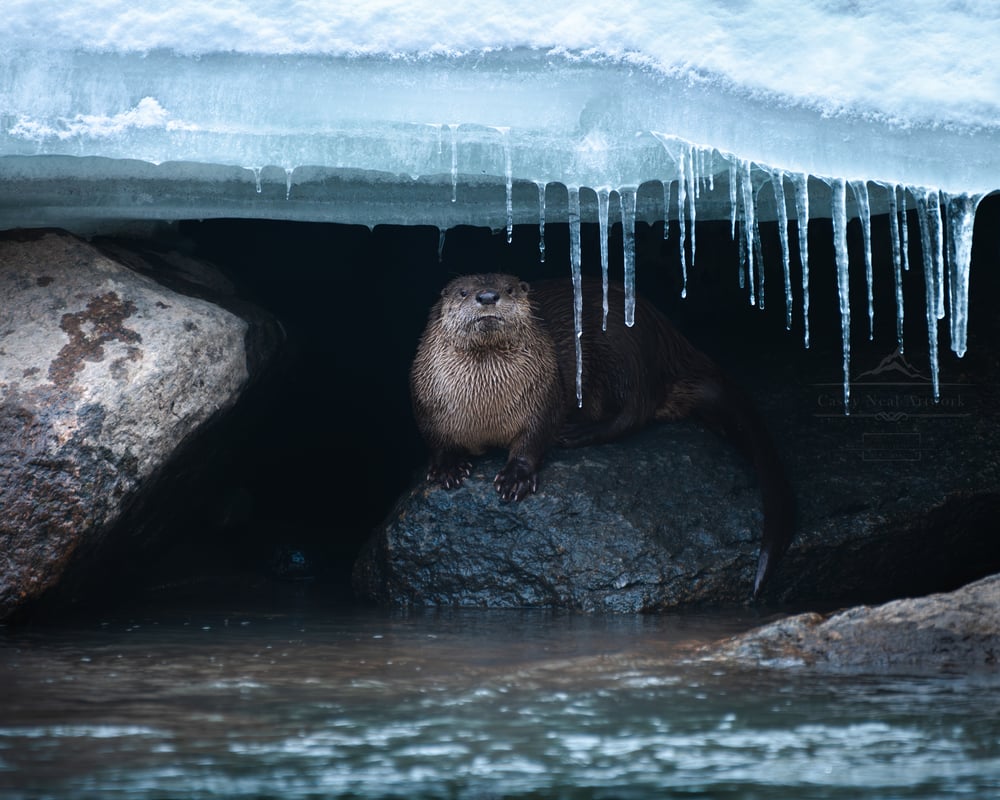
[
  {"x": 510, "y": 290},
  {"x": 463, "y": 292}
]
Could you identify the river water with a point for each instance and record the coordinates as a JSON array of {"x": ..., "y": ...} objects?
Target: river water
[{"x": 313, "y": 702}]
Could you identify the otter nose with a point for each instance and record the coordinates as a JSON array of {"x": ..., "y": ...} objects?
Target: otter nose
[{"x": 487, "y": 297}]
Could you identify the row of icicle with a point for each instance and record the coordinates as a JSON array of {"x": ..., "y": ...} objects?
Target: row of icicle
[
  {"x": 695, "y": 168},
  {"x": 959, "y": 216}
]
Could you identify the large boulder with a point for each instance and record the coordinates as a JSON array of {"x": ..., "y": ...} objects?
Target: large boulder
[
  {"x": 671, "y": 518},
  {"x": 665, "y": 518},
  {"x": 105, "y": 374}
]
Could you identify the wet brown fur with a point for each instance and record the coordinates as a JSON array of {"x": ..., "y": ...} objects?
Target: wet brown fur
[{"x": 496, "y": 367}]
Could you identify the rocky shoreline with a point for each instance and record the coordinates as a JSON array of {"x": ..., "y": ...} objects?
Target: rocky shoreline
[{"x": 119, "y": 363}]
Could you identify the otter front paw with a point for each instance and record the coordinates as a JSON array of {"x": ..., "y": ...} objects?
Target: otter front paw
[
  {"x": 516, "y": 480},
  {"x": 449, "y": 473}
]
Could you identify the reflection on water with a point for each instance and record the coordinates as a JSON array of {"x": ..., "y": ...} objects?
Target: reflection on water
[{"x": 465, "y": 704}]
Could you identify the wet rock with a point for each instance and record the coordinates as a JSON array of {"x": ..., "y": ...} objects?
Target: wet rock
[
  {"x": 671, "y": 518},
  {"x": 952, "y": 631},
  {"x": 105, "y": 377},
  {"x": 898, "y": 498},
  {"x": 665, "y": 518}
]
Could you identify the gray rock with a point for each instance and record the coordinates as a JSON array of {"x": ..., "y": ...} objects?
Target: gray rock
[
  {"x": 953, "y": 631},
  {"x": 898, "y": 499},
  {"x": 104, "y": 374},
  {"x": 671, "y": 518},
  {"x": 666, "y": 518}
]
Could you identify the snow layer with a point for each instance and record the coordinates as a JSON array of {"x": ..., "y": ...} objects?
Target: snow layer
[
  {"x": 896, "y": 93},
  {"x": 915, "y": 61},
  {"x": 432, "y": 113}
]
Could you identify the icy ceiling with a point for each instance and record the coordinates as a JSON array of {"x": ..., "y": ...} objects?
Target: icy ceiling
[{"x": 485, "y": 113}]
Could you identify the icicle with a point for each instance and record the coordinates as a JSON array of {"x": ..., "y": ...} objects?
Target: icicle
[
  {"x": 573, "y": 216},
  {"x": 934, "y": 220},
  {"x": 904, "y": 229},
  {"x": 746, "y": 190},
  {"x": 256, "y": 175},
  {"x": 454, "y": 162},
  {"x": 541, "y": 220},
  {"x": 692, "y": 196},
  {"x": 688, "y": 169},
  {"x": 508, "y": 173},
  {"x": 666, "y": 209},
  {"x": 695, "y": 161},
  {"x": 733, "y": 202},
  {"x": 758, "y": 256},
  {"x": 288, "y": 182},
  {"x": 897, "y": 264},
  {"x": 860, "y": 190},
  {"x": 603, "y": 203},
  {"x": 838, "y": 212},
  {"x": 801, "y": 182},
  {"x": 711, "y": 175},
  {"x": 961, "y": 216},
  {"x": 742, "y": 258},
  {"x": 925, "y": 201},
  {"x": 778, "y": 182},
  {"x": 627, "y": 199},
  {"x": 681, "y": 223},
  {"x": 441, "y": 235}
]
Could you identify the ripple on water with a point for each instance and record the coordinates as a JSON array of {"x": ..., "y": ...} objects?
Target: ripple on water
[{"x": 468, "y": 707}]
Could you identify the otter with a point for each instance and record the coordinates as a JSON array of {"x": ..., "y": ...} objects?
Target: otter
[{"x": 496, "y": 367}]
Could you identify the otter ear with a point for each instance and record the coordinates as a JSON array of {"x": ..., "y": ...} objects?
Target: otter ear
[
  {"x": 525, "y": 286},
  {"x": 444, "y": 292}
]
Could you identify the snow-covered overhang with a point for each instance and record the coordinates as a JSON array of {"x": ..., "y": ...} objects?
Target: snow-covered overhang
[
  {"x": 437, "y": 139},
  {"x": 494, "y": 114},
  {"x": 414, "y": 113}
]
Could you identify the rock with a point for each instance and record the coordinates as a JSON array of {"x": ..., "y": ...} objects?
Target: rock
[
  {"x": 671, "y": 518},
  {"x": 105, "y": 376},
  {"x": 953, "y": 631},
  {"x": 897, "y": 499},
  {"x": 666, "y": 518}
]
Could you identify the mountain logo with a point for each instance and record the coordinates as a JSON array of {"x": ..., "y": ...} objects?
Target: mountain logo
[{"x": 895, "y": 367}]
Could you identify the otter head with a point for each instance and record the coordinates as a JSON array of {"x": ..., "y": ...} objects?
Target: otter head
[{"x": 485, "y": 310}]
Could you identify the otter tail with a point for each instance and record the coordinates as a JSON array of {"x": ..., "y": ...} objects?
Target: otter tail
[{"x": 728, "y": 407}]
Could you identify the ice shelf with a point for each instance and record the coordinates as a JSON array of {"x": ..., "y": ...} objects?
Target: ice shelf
[{"x": 504, "y": 114}]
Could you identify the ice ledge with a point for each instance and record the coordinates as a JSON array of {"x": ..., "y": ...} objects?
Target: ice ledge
[
  {"x": 543, "y": 116},
  {"x": 439, "y": 140},
  {"x": 491, "y": 139}
]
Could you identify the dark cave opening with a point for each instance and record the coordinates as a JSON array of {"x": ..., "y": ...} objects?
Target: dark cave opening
[{"x": 314, "y": 458}]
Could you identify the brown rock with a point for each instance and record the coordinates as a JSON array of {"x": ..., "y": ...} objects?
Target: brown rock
[
  {"x": 104, "y": 373},
  {"x": 949, "y": 632}
]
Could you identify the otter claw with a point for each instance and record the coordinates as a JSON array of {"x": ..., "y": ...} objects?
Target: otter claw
[
  {"x": 450, "y": 476},
  {"x": 516, "y": 481}
]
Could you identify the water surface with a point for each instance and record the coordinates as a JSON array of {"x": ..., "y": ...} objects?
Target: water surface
[{"x": 465, "y": 704}]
